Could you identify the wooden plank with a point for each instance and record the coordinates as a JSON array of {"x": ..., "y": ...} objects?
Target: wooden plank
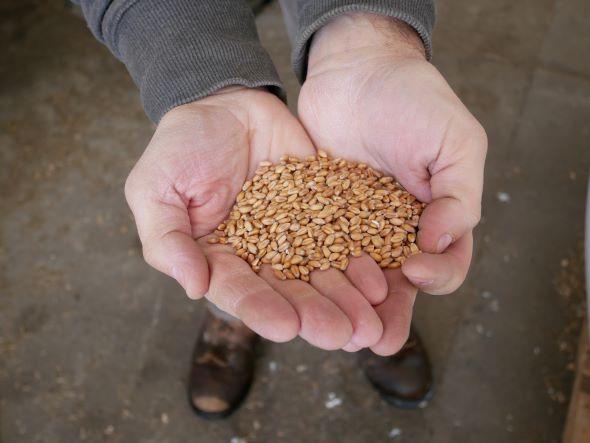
[{"x": 577, "y": 428}]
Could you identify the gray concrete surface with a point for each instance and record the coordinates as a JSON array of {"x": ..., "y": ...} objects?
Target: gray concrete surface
[{"x": 94, "y": 346}]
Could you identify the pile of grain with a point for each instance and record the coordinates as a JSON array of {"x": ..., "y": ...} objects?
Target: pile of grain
[{"x": 302, "y": 215}]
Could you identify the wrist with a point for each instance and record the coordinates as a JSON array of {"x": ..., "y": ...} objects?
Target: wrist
[
  {"x": 361, "y": 33},
  {"x": 236, "y": 99}
]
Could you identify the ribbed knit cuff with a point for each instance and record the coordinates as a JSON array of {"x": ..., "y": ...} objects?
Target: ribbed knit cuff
[
  {"x": 313, "y": 14},
  {"x": 179, "y": 51}
]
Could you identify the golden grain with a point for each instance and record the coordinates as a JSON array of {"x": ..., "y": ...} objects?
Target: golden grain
[{"x": 302, "y": 215}]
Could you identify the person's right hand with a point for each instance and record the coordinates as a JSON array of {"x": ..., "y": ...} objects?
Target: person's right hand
[{"x": 185, "y": 184}]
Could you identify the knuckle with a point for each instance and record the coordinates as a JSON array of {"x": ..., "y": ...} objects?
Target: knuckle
[
  {"x": 131, "y": 185},
  {"x": 473, "y": 130},
  {"x": 479, "y": 135},
  {"x": 481, "y": 132},
  {"x": 470, "y": 210},
  {"x": 474, "y": 215},
  {"x": 149, "y": 255}
]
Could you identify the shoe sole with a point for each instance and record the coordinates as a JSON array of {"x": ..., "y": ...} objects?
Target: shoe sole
[
  {"x": 409, "y": 404},
  {"x": 211, "y": 416}
]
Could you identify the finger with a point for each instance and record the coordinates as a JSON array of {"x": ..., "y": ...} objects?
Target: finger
[
  {"x": 366, "y": 275},
  {"x": 323, "y": 324},
  {"x": 456, "y": 183},
  {"x": 441, "y": 273},
  {"x": 395, "y": 313},
  {"x": 366, "y": 325},
  {"x": 349, "y": 347},
  {"x": 236, "y": 289},
  {"x": 168, "y": 246}
]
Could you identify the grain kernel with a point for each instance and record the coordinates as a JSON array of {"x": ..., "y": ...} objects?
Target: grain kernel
[
  {"x": 302, "y": 215},
  {"x": 279, "y": 274}
]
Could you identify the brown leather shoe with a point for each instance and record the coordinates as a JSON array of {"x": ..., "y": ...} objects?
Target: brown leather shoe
[
  {"x": 405, "y": 379},
  {"x": 222, "y": 367}
]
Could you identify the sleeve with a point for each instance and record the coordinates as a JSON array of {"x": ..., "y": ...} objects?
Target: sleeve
[
  {"x": 311, "y": 15},
  {"x": 178, "y": 51}
]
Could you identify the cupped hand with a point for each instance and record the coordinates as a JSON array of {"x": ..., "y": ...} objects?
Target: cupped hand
[
  {"x": 185, "y": 184},
  {"x": 371, "y": 96}
]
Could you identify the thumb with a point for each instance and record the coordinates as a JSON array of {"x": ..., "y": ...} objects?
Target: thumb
[{"x": 456, "y": 184}]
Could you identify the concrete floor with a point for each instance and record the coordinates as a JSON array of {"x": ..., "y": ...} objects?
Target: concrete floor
[{"x": 94, "y": 345}]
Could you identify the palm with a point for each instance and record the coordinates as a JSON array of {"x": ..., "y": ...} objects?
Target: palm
[
  {"x": 378, "y": 115},
  {"x": 208, "y": 160},
  {"x": 193, "y": 170}
]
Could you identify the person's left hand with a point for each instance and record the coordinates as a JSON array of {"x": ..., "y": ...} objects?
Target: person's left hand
[{"x": 371, "y": 96}]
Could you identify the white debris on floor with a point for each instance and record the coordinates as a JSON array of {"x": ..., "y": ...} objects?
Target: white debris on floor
[
  {"x": 395, "y": 432},
  {"x": 109, "y": 430},
  {"x": 301, "y": 368},
  {"x": 503, "y": 197},
  {"x": 273, "y": 366},
  {"x": 495, "y": 305},
  {"x": 333, "y": 401},
  {"x": 486, "y": 295}
]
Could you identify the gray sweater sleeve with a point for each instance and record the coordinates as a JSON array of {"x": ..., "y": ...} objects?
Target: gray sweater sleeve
[
  {"x": 311, "y": 15},
  {"x": 178, "y": 51}
]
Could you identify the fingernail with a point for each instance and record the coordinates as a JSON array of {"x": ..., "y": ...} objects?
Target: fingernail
[
  {"x": 443, "y": 242},
  {"x": 420, "y": 281}
]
